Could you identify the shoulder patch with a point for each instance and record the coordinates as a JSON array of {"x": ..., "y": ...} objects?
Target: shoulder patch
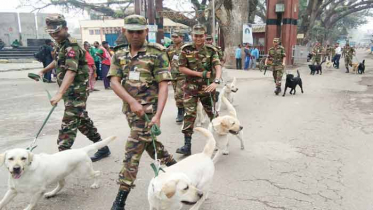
[
  {"x": 211, "y": 46},
  {"x": 157, "y": 46},
  {"x": 120, "y": 47},
  {"x": 72, "y": 41}
]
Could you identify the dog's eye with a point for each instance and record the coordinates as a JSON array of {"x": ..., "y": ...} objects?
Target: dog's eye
[
  {"x": 186, "y": 188},
  {"x": 23, "y": 158},
  {"x": 11, "y": 159},
  {"x": 233, "y": 123}
]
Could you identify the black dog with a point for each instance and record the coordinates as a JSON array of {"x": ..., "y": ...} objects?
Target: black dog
[
  {"x": 316, "y": 68},
  {"x": 361, "y": 68},
  {"x": 292, "y": 83},
  {"x": 309, "y": 57}
]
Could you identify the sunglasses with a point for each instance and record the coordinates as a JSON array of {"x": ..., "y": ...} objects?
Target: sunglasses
[{"x": 137, "y": 32}]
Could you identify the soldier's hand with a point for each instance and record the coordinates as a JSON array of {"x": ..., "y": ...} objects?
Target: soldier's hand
[
  {"x": 41, "y": 75},
  {"x": 208, "y": 75},
  {"x": 55, "y": 99},
  {"x": 155, "y": 120},
  {"x": 211, "y": 88},
  {"x": 137, "y": 108}
]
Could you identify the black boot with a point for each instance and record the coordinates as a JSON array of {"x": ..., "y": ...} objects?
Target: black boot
[
  {"x": 170, "y": 163},
  {"x": 180, "y": 115},
  {"x": 120, "y": 200},
  {"x": 186, "y": 149},
  {"x": 101, "y": 153},
  {"x": 278, "y": 90},
  {"x": 347, "y": 70}
]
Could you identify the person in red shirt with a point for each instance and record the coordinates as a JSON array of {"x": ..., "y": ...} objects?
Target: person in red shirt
[
  {"x": 105, "y": 63},
  {"x": 92, "y": 68}
]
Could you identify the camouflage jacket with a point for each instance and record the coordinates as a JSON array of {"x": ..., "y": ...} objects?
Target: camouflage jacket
[
  {"x": 349, "y": 51},
  {"x": 70, "y": 56},
  {"x": 140, "y": 74},
  {"x": 173, "y": 54},
  {"x": 199, "y": 60},
  {"x": 276, "y": 55},
  {"x": 220, "y": 53},
  {"x": 317, "y": 51}
]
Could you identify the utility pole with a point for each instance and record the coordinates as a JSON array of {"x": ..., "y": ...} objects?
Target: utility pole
[
  {"x": 159, "y": 19},
  {"x": 137, "y": 7},
  {"x": 213, "y": 22}
]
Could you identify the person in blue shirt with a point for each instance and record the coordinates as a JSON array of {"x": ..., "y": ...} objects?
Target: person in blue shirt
[
  {"x": 238, "y": 57},
  {"x": 247, "y": 56},
  {"x": 254, "y": 57}
]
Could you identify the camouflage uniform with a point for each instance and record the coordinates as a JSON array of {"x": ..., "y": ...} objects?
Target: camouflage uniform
[
  {"x": 178, "y": 81},
  {"x": 349, "y": 53},
  {"x": 317, "y": 51},
  {"x": 151, "y": 66},
  {"x": 200, "y": 60},
  {"x": 69, "y": 56},
  {"x": 275, "y": 58}
]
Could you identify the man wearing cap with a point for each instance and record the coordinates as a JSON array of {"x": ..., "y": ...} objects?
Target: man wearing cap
[
  {"x": 201, "y": 65},
  {"x": 276, "y": 60},
  {"x": 209, "y": 41},
  {"x": 349, "y": 53},
  {"x": 317, "y": 52},
  {"x": 72, "y": 78},
  {"x": 139, "y": 76},
  {"x": 178, "y": 81}
]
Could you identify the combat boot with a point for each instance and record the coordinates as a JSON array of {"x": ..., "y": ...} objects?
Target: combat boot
[
  {"x": 101, "y": 153},
  {"x": 170, "y": 163},
  {"x": 180, "y": 115},
  {"x": 278, "y": 90},
  {"x": 186, "y": 149},
  {"x": 120, "y": 200},
  {"x": 347, "y": 70}
]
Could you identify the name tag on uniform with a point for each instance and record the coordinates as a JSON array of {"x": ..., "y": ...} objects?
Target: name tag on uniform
[
  {"x": 134, "y": 75},
  {"x": 176, "y": 57},
  {"x": 122, "y": 62}
]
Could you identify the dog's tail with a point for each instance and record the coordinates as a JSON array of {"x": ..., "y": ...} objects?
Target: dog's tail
[
  {"x": 99, "y": 145},
  {"x": 298, "y": 73},
  {"x": 231, "y": 109},
  {"x": 211, "y": 143}
]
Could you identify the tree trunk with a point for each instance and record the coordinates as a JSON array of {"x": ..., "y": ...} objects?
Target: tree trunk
[{"x": 231, "y": 16}]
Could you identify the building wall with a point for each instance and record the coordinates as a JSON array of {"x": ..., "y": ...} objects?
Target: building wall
[
  {"x": 9, "y": 30},
  {"x": 28, "y": 29},
  {"x": 40, "y": 18},
  {"x": 89, "y": 37}
]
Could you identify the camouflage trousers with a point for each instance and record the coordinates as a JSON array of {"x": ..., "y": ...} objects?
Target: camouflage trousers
[
  {"x": 348, "y": 61},
  {"x": 76, "y": 118},
  {"x": 316, "y": 59},
  {"x": 278, "y": 72},
  {"x": 177, "y": 85},
  {"x": 139, "y": 141},
  {"x": 193, "y": 93}
]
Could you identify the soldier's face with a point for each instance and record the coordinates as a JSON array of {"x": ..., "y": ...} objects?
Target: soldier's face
[
  {"x": 199, "y": 39},
  {"x": 275, "y": 44},
  {"x": 136, "y": 38},
  {"x": 177, "y": 39},
  {"x": 208, "y": 41},
  {"x": 60, "y": 35}
]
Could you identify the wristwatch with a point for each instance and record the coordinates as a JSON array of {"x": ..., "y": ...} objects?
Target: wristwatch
[{"x": 217, "y": 81}]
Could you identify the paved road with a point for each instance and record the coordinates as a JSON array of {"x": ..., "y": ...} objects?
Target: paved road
[{"x": 303, "y": 152}]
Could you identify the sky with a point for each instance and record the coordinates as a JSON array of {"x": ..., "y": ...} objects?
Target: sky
[{"x": 73, "y": 17}]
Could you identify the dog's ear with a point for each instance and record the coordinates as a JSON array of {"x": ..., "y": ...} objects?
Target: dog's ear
[
  {"x": 2, "y": 159},
  {"x": 169, "y": 189},
  {"x": 30, "y": 157}
]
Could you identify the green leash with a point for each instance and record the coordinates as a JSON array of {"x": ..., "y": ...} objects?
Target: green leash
[
  {"x": 33, "y": 144},
  {"x": 154, "y": 131},
  {"x": 204, "y": 75}
]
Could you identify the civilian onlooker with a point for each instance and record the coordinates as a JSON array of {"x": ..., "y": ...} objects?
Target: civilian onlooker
[
  {"x": 2, "y": 44},
  {"x": 337, "y": 57},
  {"x": 247, "y": 56},
  {"x": 48, "y": 58},
  {"x": 105, "y": 56},
  {"x": 254, "y": 57},
  {"x": 238, "y": 57},
  {"x": 93, "y": 51},
  {"x": 92, "y": 68},
  {"x": 15, "y": 44}
]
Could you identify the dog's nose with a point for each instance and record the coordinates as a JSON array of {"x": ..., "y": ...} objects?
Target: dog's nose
[
  {"x": 200, "y": 194},
  {"x": 241, "y": 127},
  {"x": 16, "y": 169}
]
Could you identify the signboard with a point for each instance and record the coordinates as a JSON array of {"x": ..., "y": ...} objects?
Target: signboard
[
  {"x": 247, "y": 34},
  {"x": 152, "y": 38},
  {"x": 153, "y": 28}
]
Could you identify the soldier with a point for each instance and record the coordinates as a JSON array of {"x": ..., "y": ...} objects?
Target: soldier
[
  {"x": 201, "y": 65},
  {"x": 349, "y": 53},
  {"x": 139, "y": 75},
  {"x": 209, "y": 41},
  {"x": 276, "y": 60},
  {"x": 72, "y": 78},
  {"x": 317, "y": 51},
  {"x": 178, "y": 81}
]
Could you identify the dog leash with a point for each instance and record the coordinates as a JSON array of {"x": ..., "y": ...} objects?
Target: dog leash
[
  {"x": 36, "y": 77},
  {"x": 155, "y": 131},
  {"x": 204, "y": 75}
]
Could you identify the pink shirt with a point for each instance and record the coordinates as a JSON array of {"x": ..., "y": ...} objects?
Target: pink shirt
[
  {"x": 105, "y": 57},
  {"x": 89, "y": 59}
]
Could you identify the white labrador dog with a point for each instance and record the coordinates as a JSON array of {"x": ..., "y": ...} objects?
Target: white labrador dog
[
  {"x": 201, "y": 115},
  {"x": 187, "y": 182},
  {"x": 229, "y": 91},
  {"x": 222, "y": 126},
  {"x": 32, "y": 173}
]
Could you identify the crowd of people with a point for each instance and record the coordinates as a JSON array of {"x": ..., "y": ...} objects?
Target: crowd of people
[{"x": 251, "y": 55}]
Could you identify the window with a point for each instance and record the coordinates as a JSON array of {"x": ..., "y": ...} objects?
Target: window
[
  {"x": 91, "y": 32},
  {"x": 97, "y": 32}
]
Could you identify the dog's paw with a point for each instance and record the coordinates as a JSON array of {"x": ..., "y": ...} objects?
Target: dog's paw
[
  {"x": 95, "y": 186},
  {"x": 226, "y": 152},
  {"x": 242, "y": 147},
  {"x": 49, "y": 195}
]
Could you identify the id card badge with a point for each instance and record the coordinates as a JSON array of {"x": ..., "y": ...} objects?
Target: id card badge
[
  {"x": 134, "y": 75},
  {"x": 176, "y": 57}
]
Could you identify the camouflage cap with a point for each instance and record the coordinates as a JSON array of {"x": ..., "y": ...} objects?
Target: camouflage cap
[
  {"x": 276, "y": 39},
  {"x": 177, "y": 33},
  {"x": 198, "y": 29},
  {"x": 135, "y": 23},
  {"x": 209, "y": 37},
  {"x": 55, "y": 23}
]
